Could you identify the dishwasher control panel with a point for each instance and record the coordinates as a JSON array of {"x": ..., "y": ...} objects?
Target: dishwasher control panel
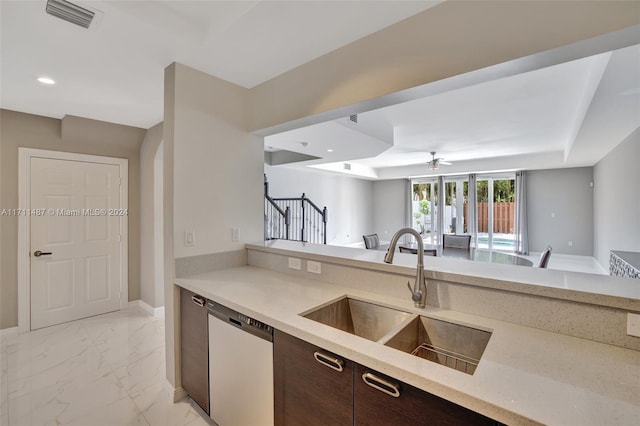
[{"x": 244, "y": 322}]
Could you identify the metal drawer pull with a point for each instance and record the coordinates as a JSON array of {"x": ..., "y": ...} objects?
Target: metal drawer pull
[
  {"x": 329, "y": 361},
  {"x": 381, "y": 385},
  {"x": 198, "y": 300}
]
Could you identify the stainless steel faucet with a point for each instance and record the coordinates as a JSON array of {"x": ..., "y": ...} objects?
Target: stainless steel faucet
[{"x": 419, "y": 290}]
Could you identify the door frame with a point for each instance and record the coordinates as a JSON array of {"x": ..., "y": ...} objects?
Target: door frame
[{"x": 24, "y": 224}]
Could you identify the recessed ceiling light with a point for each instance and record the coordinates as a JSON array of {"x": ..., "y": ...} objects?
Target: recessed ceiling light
[
  {"x": 329, "y": 150},
  {"x": 46, "y": 80}
]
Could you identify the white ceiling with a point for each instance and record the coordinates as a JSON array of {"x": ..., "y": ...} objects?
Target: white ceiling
[
  {"x": 567, "y": 115},
  {"x": 570, "y": 114},
  {"x": 115, "y": 70}
]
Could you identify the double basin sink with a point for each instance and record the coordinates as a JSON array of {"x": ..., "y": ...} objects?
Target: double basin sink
[{"x": 453, "y": 345}]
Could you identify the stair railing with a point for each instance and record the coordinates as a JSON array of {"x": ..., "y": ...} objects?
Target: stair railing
[
  {"x": 277, "y": 221},
  {"x": 296, "y": 219}
]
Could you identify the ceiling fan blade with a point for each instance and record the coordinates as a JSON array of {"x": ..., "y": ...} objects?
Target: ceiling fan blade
[{"x": 446, "y": 163}]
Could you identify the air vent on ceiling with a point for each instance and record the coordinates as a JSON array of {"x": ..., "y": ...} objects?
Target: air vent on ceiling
[
  {"x": 346, "y": 166},
  {"x": 353, "y": 118},
  {"x": 70, "y": 12}
]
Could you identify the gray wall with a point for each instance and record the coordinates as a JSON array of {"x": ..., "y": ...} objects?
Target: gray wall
[
  {"x": 565, "y": 194},
  {"x": 148, "y": 281},
  {"x": 71, "y": 134},
  {"x": 389, "y": 201},
  {"x": 349, "y": 201},
  {"x": 616, "y": 200}
]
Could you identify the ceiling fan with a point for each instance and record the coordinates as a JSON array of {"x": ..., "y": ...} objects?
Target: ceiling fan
[{"x": 435, "y": 163}]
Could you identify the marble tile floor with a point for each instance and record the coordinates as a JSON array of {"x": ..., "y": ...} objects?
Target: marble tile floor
[{"x": 104, "y": 370}]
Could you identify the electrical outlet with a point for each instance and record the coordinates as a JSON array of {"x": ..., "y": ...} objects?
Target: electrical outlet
[
  {"x": 189, "y": 238},
  {"x": 570, "y": 243},
  {"x": 295, "y": 263},
  {"x": 633, "y": 325},
  {"x": 314, "y": 267}
]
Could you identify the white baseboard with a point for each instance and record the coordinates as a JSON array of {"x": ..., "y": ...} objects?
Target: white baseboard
[
  {"x": 145, "y": 307},
  {"x": 175, "y": 394},
  {"x": 136, "y": 304},
  {"x": 8, "y": 331}
]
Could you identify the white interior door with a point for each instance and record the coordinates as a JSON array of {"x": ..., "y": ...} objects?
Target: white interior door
[{"x": 76, "y": 217}]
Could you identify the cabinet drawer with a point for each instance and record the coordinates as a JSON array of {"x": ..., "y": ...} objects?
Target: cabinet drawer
[
  {"x": 380, "y": 400},
  {"x": 312, "y": 386}
]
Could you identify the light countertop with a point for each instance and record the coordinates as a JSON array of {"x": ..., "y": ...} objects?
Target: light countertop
[
  {"x": 617, "y": 292},
  {"x": 525, "y": 376}
]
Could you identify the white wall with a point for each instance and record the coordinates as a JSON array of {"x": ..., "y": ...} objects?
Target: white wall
[
  {"x": 349, "y": 201},
  {"x": 217, "y": 166},
  {"x": 560, "y": 209},
  {"x": 148, "y": 152},
  {"x": 389, "y": 201},
  {"x": 617, "y": 200}
]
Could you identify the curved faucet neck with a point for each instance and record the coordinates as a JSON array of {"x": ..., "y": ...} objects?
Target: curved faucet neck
[
  {"x": 394, "y": 241},
  {"x": 419, "y": 291}
]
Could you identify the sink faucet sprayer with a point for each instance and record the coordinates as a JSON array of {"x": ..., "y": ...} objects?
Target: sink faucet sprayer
[{"x": 419, "y": 291}]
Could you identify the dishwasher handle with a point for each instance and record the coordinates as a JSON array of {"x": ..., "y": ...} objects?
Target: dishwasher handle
[{"x": 240, "y": 321}]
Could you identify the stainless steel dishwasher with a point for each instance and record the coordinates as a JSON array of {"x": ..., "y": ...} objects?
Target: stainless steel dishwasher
[{"x": 240, "y": 368}]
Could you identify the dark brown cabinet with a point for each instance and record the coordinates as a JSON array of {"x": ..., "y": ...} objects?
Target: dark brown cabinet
[
  {"x": 311, "y": 386},
  {"x": 314, "y": 387},
  {"x": 194, "y": 347},
  {"x": 382, "y": 400}
]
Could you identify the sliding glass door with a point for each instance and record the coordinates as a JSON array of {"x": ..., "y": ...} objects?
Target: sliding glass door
[
  {"x": 496, "y": 212},
  {"x": 495, "y": 217},
  {"x": 425, "y": 210},
  {"x": 456, "y": 199}
]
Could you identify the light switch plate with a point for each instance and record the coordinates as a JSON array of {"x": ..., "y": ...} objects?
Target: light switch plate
[
  {"x": 314, "y": 267},
  {"x": 189, "y": 238},
  {"x": 633, "y": 324},
  {"x": 295, "y": 263},
  {"x": 235, "y": 234}
]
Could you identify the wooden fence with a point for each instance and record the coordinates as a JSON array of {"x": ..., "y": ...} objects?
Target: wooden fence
[{"x": 503, "y": 217}]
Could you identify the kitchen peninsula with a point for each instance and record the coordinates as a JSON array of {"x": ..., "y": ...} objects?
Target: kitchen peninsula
[{"x": 558, "y": 353}]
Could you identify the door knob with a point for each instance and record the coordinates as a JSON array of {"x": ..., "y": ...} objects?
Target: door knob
[{"x": 39, "y": 253}]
